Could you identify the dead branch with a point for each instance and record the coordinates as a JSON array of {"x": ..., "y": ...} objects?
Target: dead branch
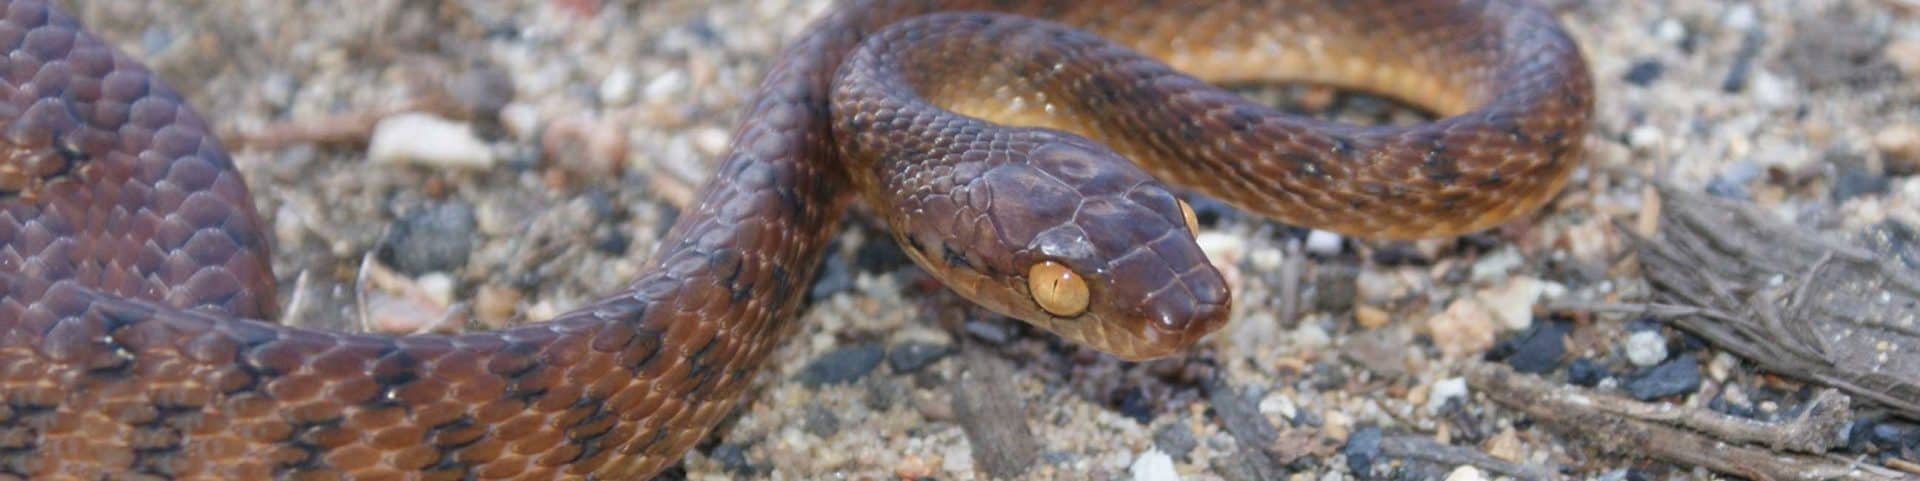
[
  {"x": 1793, "y": 301},
  {"x": 1620, "y": 425}
]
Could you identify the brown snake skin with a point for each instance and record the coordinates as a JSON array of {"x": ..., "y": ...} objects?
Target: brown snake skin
[{"x": 131, "y": 263}]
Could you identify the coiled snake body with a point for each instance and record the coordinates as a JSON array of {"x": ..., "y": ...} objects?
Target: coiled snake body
[{"x": 132, "y": 267}]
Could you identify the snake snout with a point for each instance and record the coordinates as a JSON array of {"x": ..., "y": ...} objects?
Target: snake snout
[{"x": 1191, "y": 306}]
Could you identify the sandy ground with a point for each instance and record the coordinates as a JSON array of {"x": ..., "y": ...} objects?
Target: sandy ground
[{"x": 591, "y": 120}]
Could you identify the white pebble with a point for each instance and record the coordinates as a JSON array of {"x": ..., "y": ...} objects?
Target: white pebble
[
  {"x": 1495, "y": 266},
  {"x": 1773, "y": 91},
  {"x": 1266, "y": 258},
  {"x": 1446, "y": 389},
  {"x": 1153, "y": 465},
  {"x": 1309, "y": 334},
  {"x": 1740, "y": 18},
  {"x": 957, "y": 459},
  {"x": 1645, "y": 137},
  {"x": 1512, "y": 302},
  {"x": 1466, "y": 473},
  {"x": 1670, "y": 31},
  {"x": 437, "y": 286},
  {"x": 428, "y": 140},
  {"x": 617, "y": 88},
  {"x": 1279, "y": 404},
  {"x": 521, "y": 119},
  {"x": 711, "y": 141},
  {"x": 1646, "y": 348},
  {"x": 1323, "y": 243},
  {"x": 665, "y": 85}
]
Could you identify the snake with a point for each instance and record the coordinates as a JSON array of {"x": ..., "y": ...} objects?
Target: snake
[{"x": 1032, "y": 155}]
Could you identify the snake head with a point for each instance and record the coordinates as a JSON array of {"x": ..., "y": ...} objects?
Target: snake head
[{"x": 1075, "y": 239}]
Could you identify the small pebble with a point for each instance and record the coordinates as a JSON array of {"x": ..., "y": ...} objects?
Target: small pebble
[
  {"x": 1537, "y": 351},
  {"x": 991, "y": 332},
  {"x": 617, "y": 87},
  {"x": 1670, "y": 31},
  {"x": 957, "y": 459},
  {"x": 1741, "y": 71},
  {"x": 1774, "y": 91},
  {"x": 438, "y": 238},
  {"x": 1496, "y": 265},
  {"x": 1741, "y": 17},
  {"x": 1333, "y": 287},
  {"x": 1900, "y": 146},
  {"x": 1464, "y": 328},
  {"x": 733, "y": 459},
  {"x": 1445, "y": 390},
  {"x": 425, "y": 139},
  {"x": 665, "y": 86},
  {"x": 1311, "y": 335},
  {"x": 1892, "y": 434},
  {"x": 480, "y": 94},
  {"x": 1370, "y": 317},
  {"x": 1323, "y": 243},
  {"x": 1732, "y": 181},
  {"x": 1175, "y": 439},
  {"x": 1153, "y": 465},
  {"x": 1512, "y": 302},
  {"x": 1644, "y": 137},
  {"x": 1362, "y": 450},
  {"x": 911, "y": 356},
  {"x": 1585, "y": 372},
  {"x": 835, "y": 277},
  {"x": 1904, "y": 54},
  {"x": 1646, "y": 348},
  {"x": 1466, "y": 473},
  {"x": 494, "y": 305},
  {"x": 843, "y": 365},
  {"x": 1644, "y": 72},
  {"x": 821, "y": 422},
  {"x": 1676, "y": 377}
]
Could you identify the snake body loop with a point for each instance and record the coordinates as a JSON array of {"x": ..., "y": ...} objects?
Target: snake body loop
[{"x": 134, "y": 279}]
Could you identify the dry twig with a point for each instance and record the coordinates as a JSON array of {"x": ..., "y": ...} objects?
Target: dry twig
[{"x": 1625, "y": 426}]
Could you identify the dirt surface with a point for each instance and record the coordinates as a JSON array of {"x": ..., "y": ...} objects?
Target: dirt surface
[{"x": 580, "y": 125}]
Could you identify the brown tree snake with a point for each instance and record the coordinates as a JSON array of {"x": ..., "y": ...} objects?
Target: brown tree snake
[{"x": 1017, "y": 156}]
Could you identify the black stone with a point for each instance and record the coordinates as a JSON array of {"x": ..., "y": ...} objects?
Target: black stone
[
  {"x": 1676, "y": 377},
  {"x": 1741, "y": 71},
  {"x": 834, "y": 277},
  {"x": 1893, "y": 435},
  {"x": 911, "y": 356},
  {"x": 613, "y": 243},
  {"x": 1644, "y": 72},
  {"x": 1536, "y": 351},
  {"x": 1854, "y": 181},
  {"x": 1132, "y": 402},
  {"x": 841, "y": 366},
  {"x": 435, "y": 239},
  {"x": 733, "y": 459},
  {"x": 1362, "y": 450},
  {"x": 1176, "y": 440}
]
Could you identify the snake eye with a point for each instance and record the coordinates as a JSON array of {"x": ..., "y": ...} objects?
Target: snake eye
[
  {"x": 1057, "y": 289},
  {"x": 1193, "y": 222}
]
